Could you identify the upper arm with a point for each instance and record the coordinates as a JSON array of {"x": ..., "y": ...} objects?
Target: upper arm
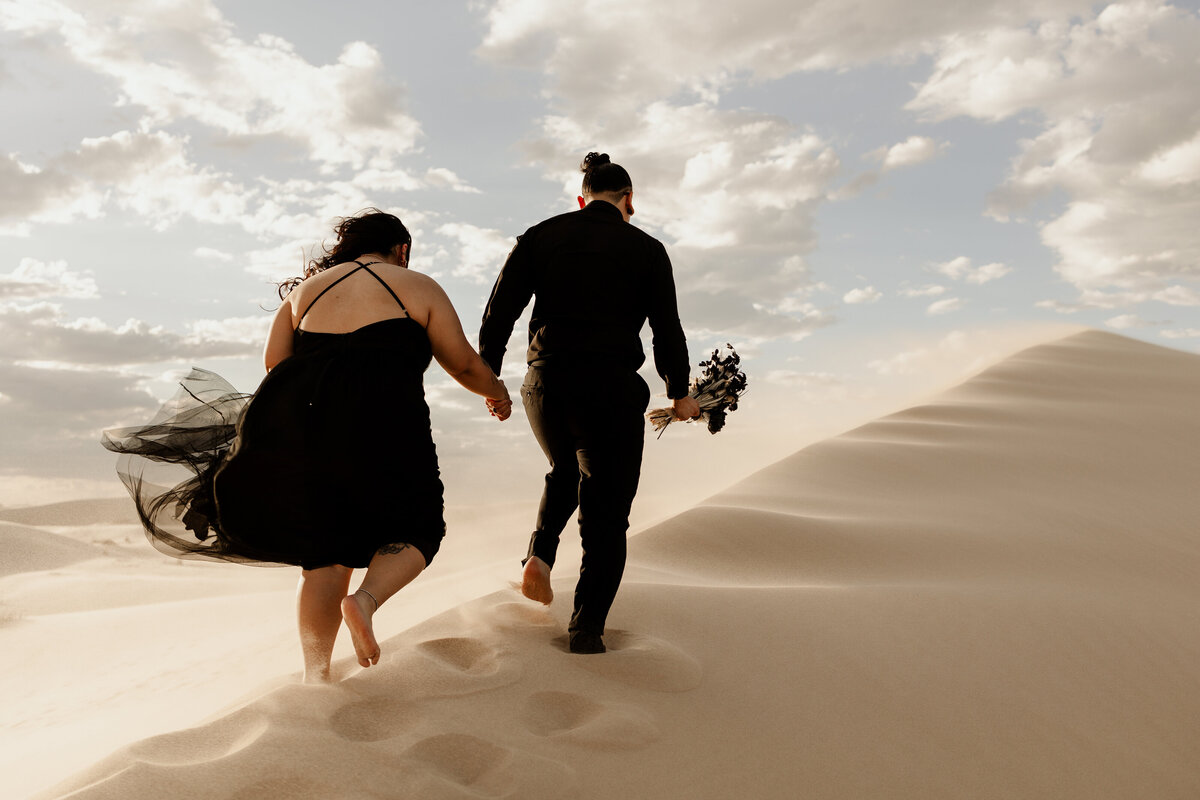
[
  {"x": 279, "y": 340},
  {"x": 510, "y": 295},
  {"x": 444, "y": 329},
  {"x": 664, "y": 306}
]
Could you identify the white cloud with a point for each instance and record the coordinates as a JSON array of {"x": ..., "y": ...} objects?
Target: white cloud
[
  {"x": 247, "y": 330},
  {"x": 1125, "y": 321},
  {"x": 1182, "y": 333},
  {"x": 929, "y": 290},
  {"x": 960, "y": 269},
  {"x": 33, "y": 279},
  {"x": 732, "y": 192},
  {"x": 1115, "y": 96},
  {"x": 1094, "y": 298},
  {"x": 732, "y": 195},
  {"x": 181, "y": 61},
  {"x": 481, "y": 251},
  {"x": 41, "y": 333},
  {"x": 149, "y": 174},
  {"x": 866, "y": 294},
  {"x": 442, "y": 178},
  {"x": 913, "y": 150},
  {"x": 945, "y": 306},
  {"x": 624, "y": 53}
]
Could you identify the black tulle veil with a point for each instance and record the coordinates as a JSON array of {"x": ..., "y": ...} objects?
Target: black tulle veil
[{"x": 168, "y": 466}]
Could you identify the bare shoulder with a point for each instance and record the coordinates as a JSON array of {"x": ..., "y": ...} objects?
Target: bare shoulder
[{"x": 424, "y": 285}]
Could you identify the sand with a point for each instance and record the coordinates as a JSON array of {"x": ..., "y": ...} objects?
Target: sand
[{"x": 991, "y": 595}]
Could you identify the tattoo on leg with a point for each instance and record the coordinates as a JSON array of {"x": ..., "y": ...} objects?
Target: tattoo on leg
[{"x": 392, "y": 549}]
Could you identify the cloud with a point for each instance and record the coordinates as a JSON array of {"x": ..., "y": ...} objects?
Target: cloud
[
  {"x": 481, "y": 251},
  {"x": 53, "y": 417},
  {"x": 913, "y": 150},
  {"x": 35, "y": 280},
  {"x": 731, "y": 193},
  {"x": 960, "y": 269},
  {"x": 149, "y": 174},
  {"x": 625, "y": 53},
  {"x": 41, "y": 333},
  {"x": 442, "y": 178},
  {"x": 866, "y": 294},
  {"x": 1125, "y": 321},
  {"x": 1097, "y": 299},
  {"x": 1114, "y": 98},
  {"x": 1182, "y": 333},
  {"x": 929, "y": 290},
  {"x": 182, "y": 61},
  {"x": 246, "y": 330},
  {"x": 945, "y": 306}
]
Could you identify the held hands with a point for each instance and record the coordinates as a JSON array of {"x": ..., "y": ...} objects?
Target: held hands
[
  {"x": 685, "y": 408},
  {"x": 500, "y": 409}
]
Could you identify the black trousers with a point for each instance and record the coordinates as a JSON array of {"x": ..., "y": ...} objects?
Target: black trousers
[{"x": 591, "y": 426}]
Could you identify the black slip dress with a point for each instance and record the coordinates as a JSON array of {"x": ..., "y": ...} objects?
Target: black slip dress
[{"x": 330, "y": 459}]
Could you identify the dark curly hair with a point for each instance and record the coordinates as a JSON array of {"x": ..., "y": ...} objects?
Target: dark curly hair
[
  {"x": 601, "y": 176},
  {"x": 368, "y": 231}
]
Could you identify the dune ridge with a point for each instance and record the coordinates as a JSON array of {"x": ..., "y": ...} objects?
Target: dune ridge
[
  {"x": 102, "y": 510},
  {"x": 991, "y": 595}
]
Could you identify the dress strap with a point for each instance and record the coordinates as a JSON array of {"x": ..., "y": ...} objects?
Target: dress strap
[
  {"x": 385, "y": 285},
  {"x": 361, "y": 265}
]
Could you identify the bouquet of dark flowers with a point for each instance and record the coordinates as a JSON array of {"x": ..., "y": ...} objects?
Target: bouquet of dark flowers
[{"x": 717, "y": 391}]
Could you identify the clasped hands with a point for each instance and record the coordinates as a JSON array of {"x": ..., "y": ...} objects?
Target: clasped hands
[{"x": 500, "y": 409}]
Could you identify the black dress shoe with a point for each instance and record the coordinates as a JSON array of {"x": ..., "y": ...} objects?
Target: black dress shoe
[{"x": 584, "y": 643}]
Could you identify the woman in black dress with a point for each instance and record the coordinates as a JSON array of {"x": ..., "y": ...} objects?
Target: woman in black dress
[{"x": 330, "y": 465}]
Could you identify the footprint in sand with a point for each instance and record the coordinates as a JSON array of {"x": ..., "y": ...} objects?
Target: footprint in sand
[
  {"x": 374, "y": 719},
  {"x": 461, "y": 665},
  {"x": 522, "y": 615},
  {"x": 579, "y": 720},
  {"x": 644, "y": 662},
  {"x": 463, "y": 766},
  {"x": 463, "y": 654},
  {"x": 211, "y": 742}
]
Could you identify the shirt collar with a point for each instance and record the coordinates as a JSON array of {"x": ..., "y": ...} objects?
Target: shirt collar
[{"x": 603, "y": 207}]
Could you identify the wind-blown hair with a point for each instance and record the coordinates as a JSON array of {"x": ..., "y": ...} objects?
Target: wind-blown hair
[
  {"x": 368, "y": 231},
  {"x": 601, "y": 176}
]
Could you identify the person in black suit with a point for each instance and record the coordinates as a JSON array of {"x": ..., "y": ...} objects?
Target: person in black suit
[{"x": 596, "y": 280}]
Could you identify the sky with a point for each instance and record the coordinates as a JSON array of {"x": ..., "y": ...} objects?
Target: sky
[{"x": 866, "y": 198}]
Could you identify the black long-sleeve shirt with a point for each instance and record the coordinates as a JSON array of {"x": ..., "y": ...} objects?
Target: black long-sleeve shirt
[{"x": 597, "y": 279}]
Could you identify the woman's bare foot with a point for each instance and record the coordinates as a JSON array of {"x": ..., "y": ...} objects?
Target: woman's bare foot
[
  {"x": 357, "y": 610},
  {"x": 535, "y": 581}
]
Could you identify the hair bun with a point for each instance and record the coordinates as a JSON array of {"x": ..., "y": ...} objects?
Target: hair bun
[{"x": 593, "y": 160}]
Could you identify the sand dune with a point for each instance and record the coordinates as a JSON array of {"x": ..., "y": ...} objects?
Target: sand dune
[
  {"x": 993, "y": 595},
  {"x": 25, "y": 549},
  {"x": 108, "y": 510}
]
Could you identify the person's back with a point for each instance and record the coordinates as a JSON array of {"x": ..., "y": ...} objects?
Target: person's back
[{"x": 597, "y": 280}]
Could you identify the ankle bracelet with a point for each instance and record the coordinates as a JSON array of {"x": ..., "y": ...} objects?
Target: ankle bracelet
[{"x": 368, "y": 594}]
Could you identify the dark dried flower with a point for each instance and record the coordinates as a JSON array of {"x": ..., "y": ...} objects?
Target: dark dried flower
[{"x": 717, "y": 390}]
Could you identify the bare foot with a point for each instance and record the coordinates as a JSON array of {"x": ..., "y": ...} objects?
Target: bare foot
[
  {"x": 357, "y": 610},
  {"x": 535, "y": 581}
]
